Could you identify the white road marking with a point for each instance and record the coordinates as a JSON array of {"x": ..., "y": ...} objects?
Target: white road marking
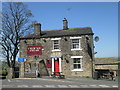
[
  {"x": 37, "y": 86},
  {"x": 51, "y": 86},
  {"x": 114, "y": 86},
  {"x": 104, "y": 86},
  {"x": 93, "y": 85},
  {"x": 8, "y": 86},
  {"x": 16, "y": 80},
  {"x": 73, "y": 86},
  {"x": 9, "y": 80},
  {"x": 63, "y": 86},
  {"x": 22, "y": 86},
  {"x": 60, "y": 86},
  {"x": 84, "y": 86}
]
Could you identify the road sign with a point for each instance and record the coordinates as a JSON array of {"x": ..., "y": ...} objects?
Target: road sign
[{"x": 21, "y": 59}]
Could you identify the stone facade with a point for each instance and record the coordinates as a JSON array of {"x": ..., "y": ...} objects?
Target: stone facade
[{"x": 65, "y": 55}]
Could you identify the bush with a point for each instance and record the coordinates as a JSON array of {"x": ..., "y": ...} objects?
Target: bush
[
  {"x": 87, "y": 77},
  {"x": 3, "y": 72}
]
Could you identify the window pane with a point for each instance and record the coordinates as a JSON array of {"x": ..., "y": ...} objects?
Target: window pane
[
  {"x": 77, "y": 63},
  {"x": 79, "y": 66},
  {"x": 75, "y": 44},
  {"x": 76, "y": 60},
  {"x": 56, "y": 42},
  {"x": 56, "y": 46},
  {"x": 75, "y": 40},
  {"x": 75, "y": 66}
]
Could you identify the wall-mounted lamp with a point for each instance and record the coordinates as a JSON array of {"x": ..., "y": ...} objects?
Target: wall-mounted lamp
[
  {"x": 44, "y": 40},
  {"x": 65, "y": 39},
  {"x": 67, "y": 61},
  {"x": 25, "y": 42},
  {"x": 87, "y": 38}
]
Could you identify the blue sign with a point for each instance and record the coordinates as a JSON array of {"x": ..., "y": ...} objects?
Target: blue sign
[{"x": 21, "y": 59}]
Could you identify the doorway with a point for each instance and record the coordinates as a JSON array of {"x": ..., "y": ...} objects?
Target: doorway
[
  {"x": 56, "y": 65},
  {"x": 42, "y": 68}
]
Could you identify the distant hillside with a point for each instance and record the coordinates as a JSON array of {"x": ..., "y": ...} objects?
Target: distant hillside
[{"x": 106, "y": 60}]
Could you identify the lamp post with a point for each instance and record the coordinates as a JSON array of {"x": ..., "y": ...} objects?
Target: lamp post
[
  {"x": 36, "y": 71},
  {"x": 36, "y": 57}
]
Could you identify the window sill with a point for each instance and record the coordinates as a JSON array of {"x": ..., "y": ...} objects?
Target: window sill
[
  {"x": 56, "y": 50},
  {"x": 75, "y": 49},
  {"x": 77, "y": 70}
]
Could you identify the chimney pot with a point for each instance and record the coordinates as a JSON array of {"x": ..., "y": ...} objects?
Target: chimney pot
[
  {"x": 37, "y": 28},
  {"x": 65, "y": 24}
]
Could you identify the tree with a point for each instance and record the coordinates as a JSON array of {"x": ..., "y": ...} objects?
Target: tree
[{"x": 16, "y": 22}]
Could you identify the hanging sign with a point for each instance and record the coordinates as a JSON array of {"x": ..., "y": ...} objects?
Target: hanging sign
[{"x": 34, "y": 50}]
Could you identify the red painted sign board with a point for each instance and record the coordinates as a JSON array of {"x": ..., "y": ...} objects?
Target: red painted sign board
[
  {"x": 48, "y": 63},
  {"x": 34, "y": 50}
]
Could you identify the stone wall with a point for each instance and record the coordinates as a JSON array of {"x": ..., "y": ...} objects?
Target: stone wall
[
  {"x": 106, "y": 63},
  {"x": 110, "y": 67},
  {"x": 65, "y": 53}
]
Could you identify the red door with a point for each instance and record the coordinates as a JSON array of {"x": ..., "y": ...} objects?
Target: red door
[{"x": 56, "y": 66}]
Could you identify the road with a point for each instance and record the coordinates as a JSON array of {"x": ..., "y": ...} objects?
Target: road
[{"x": 47, "y": 82}]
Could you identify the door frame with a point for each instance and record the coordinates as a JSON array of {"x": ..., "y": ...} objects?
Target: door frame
[{"x": 53, "y": 64}]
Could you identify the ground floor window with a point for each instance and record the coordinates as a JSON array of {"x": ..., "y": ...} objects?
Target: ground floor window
[
  {"x": 77, "y": 63},
  {"x": 30, "y": 67}
]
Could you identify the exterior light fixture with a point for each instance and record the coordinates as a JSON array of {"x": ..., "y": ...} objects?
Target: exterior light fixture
[
  {"x": 67, "y": 61},
  {"x": 25, "y": 41},
  {"x": 65, "y": 39},
  {"x": 44, "y": 40}
]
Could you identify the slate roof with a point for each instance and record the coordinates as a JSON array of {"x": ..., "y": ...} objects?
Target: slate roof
[
  {"x": 106, "y": 60},
  {"x": 61, "y": 32}
]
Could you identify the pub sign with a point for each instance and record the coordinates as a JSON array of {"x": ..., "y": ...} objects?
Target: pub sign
[{"x": 34, "y": 50}]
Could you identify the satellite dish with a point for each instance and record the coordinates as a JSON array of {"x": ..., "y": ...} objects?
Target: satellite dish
[
  {"x": 96, "y": 39},
  {"x": 95, "y": 53}
]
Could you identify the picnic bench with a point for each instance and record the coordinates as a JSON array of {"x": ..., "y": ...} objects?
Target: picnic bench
[{"x": 109, "y": 75}]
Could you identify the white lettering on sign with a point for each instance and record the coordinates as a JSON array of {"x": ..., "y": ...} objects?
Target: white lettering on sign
[{"x": 34, "y": 50}]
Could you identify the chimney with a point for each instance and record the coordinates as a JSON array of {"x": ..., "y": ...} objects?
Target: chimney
[
  {"x": 37, "y": 28},
  {"x": 65, "y": 24}
]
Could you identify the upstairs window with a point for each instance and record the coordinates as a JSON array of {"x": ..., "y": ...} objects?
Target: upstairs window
[
  {"x": 75, "y": 43},
  {"x": 56, "y": 44}
]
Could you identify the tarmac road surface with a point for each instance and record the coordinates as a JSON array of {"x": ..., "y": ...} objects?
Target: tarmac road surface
[{"x": 48, "y": 82}]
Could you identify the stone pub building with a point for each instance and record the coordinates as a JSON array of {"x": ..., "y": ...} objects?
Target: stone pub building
[{"x": 67, "y": 51}]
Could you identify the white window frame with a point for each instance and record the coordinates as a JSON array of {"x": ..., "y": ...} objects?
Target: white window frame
[
  {"x": 72, "y": 38},
  {"x": 53, "y": 39},
  {"x": 81, "y": 58}
]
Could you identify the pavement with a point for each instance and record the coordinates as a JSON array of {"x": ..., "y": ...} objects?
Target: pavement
[{"x": 49, "y": 82}]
